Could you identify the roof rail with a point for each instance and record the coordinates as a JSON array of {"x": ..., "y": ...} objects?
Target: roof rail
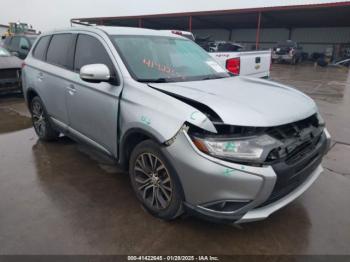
[{"x": 77, "y": 22}]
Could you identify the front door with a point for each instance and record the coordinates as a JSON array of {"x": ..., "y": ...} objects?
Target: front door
[{"x": 93, "y": 107}]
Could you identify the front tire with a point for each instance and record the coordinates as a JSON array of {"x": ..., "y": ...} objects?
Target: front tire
[
  {"x": 40, "y": 119},
  {"x": 155, "y": 182}
]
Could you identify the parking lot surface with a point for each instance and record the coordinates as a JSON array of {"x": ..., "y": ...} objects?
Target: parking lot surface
[{"x": 61, "y": 198}]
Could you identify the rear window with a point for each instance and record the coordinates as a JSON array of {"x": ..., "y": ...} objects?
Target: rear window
[
  {"x": 40, "y": 49},
  {"x": 15, "y": 43},
  {"x": 7, "y": 41},
  {"x": 61, "y": 50},
  {"x": 228, "y": 47},
  {"x": 32, "y": 39}
]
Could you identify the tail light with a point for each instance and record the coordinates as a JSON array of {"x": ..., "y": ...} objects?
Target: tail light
[
  {"x": 23, "y": 65},
  {"x": 234, "y": 65}
]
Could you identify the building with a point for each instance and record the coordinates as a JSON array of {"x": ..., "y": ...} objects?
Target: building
[{"x": 316, "y": 25}]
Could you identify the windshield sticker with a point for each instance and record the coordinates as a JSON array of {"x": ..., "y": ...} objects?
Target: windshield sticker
[
  {"x": 162, "y": 68},
  {"x": 145, "y": 120},
  {"x": 215, "y": 66}
]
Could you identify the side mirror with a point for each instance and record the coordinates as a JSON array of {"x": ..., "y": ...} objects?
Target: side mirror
[
  {"x": 15, "y": 53},
  {"x": 95, "y": 73},
  {"x": 24, "y": 47}
]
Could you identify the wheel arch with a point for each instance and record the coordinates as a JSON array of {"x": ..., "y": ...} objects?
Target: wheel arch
[
  {"x": 29, "y": 95},
  {"x": 130, "y": 140}
]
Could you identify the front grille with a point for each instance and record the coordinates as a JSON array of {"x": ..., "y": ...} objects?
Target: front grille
[
  {"x": 297, "y": 139},
  {"x": 9, "y": 74},
  {"x": 291, "y": 174},
  {"x": 303, "y": 146}
]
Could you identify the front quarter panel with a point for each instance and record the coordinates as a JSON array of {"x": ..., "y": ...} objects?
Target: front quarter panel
[{"x": 161, "y": 115}]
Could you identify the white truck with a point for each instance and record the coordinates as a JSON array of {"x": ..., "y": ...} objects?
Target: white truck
[
  {"x": 232, "y": 56},
  {"x": 239, "y": 62}
]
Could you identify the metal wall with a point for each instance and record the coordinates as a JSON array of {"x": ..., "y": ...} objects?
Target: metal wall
[{"x": 311, "y": 39}]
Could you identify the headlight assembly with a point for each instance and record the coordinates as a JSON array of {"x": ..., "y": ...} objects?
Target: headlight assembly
[{"x": 244, "y": 149}]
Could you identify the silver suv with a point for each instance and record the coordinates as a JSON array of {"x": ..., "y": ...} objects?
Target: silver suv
[{"x": 193, "y": 137}]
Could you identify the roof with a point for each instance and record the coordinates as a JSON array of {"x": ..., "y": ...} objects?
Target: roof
[
  {"x": 118, "y": 30},
  {"x": 115, "y": 30}
]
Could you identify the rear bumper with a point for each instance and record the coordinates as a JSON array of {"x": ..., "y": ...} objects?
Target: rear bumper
[
  {"x": 265, "y": 75},
  {"x": 207, "y": 181}
]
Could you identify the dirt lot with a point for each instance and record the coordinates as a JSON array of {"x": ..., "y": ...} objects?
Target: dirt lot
[{"x": 60, "y": 198}]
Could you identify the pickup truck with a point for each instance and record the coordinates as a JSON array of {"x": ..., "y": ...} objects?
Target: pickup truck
[
  {"x": 288, "y": 51},
  {"x": 239, "y": 62},
  {"x": 232, "y": 56}
]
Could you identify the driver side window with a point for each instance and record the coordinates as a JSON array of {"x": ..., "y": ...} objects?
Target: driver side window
[{"x": 89, "y": 50}]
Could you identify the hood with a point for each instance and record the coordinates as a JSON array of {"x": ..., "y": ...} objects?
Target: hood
[
  {"x": 9, "y": 62},
  {"x": 245, "y": 101}
]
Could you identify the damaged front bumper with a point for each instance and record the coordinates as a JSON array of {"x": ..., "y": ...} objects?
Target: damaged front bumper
[{"x": 233, "y": 193}]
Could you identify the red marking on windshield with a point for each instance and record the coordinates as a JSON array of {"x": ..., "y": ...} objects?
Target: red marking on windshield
[{"x": 162, "y": 68}]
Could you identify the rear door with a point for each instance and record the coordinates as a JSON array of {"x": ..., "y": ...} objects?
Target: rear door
[
  {"x": 56, "y": 76},
  {"x": 93, "y": 107}
]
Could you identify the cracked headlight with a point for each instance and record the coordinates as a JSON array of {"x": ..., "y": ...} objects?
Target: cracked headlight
[{"x": 243, "y": 149}]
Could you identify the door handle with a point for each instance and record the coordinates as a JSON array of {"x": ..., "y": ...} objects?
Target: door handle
[{"x": 71, "y": 89}]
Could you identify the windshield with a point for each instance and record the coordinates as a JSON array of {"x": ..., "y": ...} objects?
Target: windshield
[
  {"x": 4, "y": 52},
  {"x": 32, "y": 39},
  {"x": 166, "y": 59}
]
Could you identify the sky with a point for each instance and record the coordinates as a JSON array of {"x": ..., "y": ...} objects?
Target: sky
[{"x": 53, "y": 14}]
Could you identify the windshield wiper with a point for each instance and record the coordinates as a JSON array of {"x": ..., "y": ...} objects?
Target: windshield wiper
[
  {"x": 156, "y": 80},
  {"x": 213, "y": 77}
]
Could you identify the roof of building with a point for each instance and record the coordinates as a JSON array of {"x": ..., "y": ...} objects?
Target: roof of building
[
  {"x": 217, "y": 7},
  {"x": 238, "y": 14}
]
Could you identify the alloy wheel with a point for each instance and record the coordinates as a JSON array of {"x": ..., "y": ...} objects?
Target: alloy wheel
[
  {"x": 153, "y": 181},
  {"x": 38, "y": 118}
]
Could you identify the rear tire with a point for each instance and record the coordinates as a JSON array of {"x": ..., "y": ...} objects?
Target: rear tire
[
  {"x": 41, "y": 123},
  {"x": 155, "y": 182}
]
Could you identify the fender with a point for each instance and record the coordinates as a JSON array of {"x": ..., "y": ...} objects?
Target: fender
[{"x": 155, "y": 112}]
